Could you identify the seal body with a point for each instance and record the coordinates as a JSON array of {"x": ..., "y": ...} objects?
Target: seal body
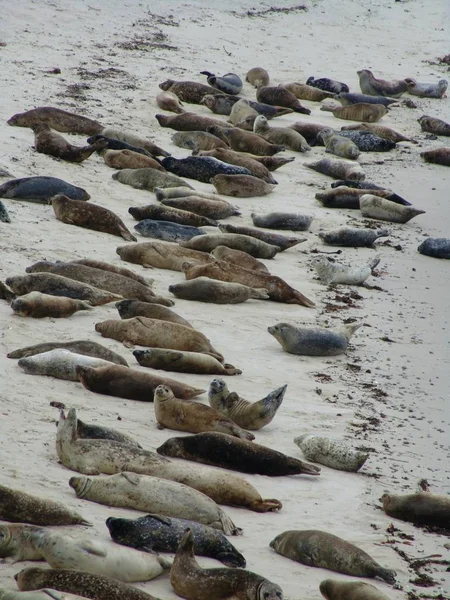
[
  {"x": 148, "y": 179},
  {"x": 154, "y": 533},
  {"x": 279, "y": 96},
  {"x": 423, "y": 508},
  {"x": 187, "y": 91},
  {"x": 99, "y": 432},
  {"x": 352, "y": 238},
  {"x": 16, "y": 543},
  {"x": 205, "y": 207},
  {"x": 347, "y": 196},
  {"x": 328, "y": 85},
  {"x": 285, "y": 136},
  {"x": 246, "y": 414},
  {"x": 39, "y": 305},
  {"x": 303, "y": 91},
  {"x": 331, "y": 589},
  {"x": 427, "y": 124},
  {"x": 114, "y": 144},
  {"x": 440, "y": 156},
  {"x": 241, "y": 186},
  {"x": 372, "y": 86},
  {"x": 281, "y": 220},
  {"x": 85, "y": 347},
  {"x": 167, "y": 231},
  {"x": 40, "y": 189},
  {"x": 162, "y": 255},
  {"x": 230, "y": 83},
  {"x": 48, "y": 142},
  {"x": 346, "y": 99},
  {"x": 173, "y": 215},
  {"x": 363, "y": 111},
  {"x": 204, "y": 289},
  {"x": 331, "y": 453},
  {"x": 128, "y": 159},
  {"x": 256, "y": 76},
  {"x": 427, "y": 90},
  {"x": 183, "y": 362},
  {"x": 198, "y": 140},
  {"x": 169, "y": 101},
  {"x": 98, "y": 264},
  {"x": 128, "y": 138},
  {"x": 128, "y": 309},
  {"x": 237, "y": 158},
  {"x": 274, "y": 239},
  {"x": 246, "y": 243},
  {"x": 4, "y": 216},
  {"x": 367, "y": 141},
  {"x": 436, "y": 247},
  {"x": 59, "y": 363},
  {"x": 201, "y": 168},
  {"x": 312, "y": 341},
  {"x": 381, "y": 131},
  {"x": 57, "y": 119},
  {"x": 244, "y": 141},
  {"x": 338, "y": 145},
  {"x": 220, "y": 104},
  {"x": 188, "y": 122},
  {"x": 338, "y": 169},
  {"x": 375, "y": 207},
  {"x": 320, "y": 549},
  {"x": 335, "y": 272},
  {"x": 239, "y": 258}
]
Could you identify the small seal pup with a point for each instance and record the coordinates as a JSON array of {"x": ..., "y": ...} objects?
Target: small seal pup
[
  {"x": 427, "y": 124},
  {"x": 170, "y": 102},
  {"x": 230, "y": 83},
  {"x": 89, "y": 216},
  {"x": 128, "y": 159},
  {"x": 248, "y": 415},
  {"x": 154, "y": 495},
  {"x": 241, "y": 186},
  {"x": 163, "y": 255},
  {"x": 352, "y": 237},
  {"x": 155, "y": 533},
  {"x": 40, "y": 189},
  {"x": 382, "y": 209},
  {"x": 183, "y": 362},
  {"x": 192, "y": 582},
  {"x": 427, "y": 90},
  {"x": 245, "y": 141},
  {"x": 379, "y": 87},
  {"x": 281, "y": 220},
  {"x": 19, "y": 507},
  {"x": 96, "y": 587},
  {"x": 335, "y": 272},
  {"x": 440, "y": 156},
  {"x": 338, "y": 145},
  {"x": 183, "y": 415},
  {"x": 85, "y": 347},
  {"x": 313, "y": 341},
  {"x": 279, "y": 96},
  {"x": 204, "y": 289},
  {"x": 328, "y": 85},
  {"x": 228, "y": 452},
  {"x": 128, "y": 309},
  {"x": 16, "y": 545},
  {"x": 331, "y": 453},
  {"x": 332, "y": 589},
  {"x": 48, "y": 142},
  {"x": 198, "y": 140},
  {"x": 59, "y": 363},
  {"x": 57, "y": 119},
  {"x": 246, "y": 243},
  {"x": 167, "y": 231},
  {"x": 92, "y": 555},
  {"x": 39, "y": 305},
  {"x": 174, "y": 215},
  {"x": 321, "y": 549},
  {"x": 284, "y": 136},
  {"x": 436, "y": 247},
  {"x": 423, "y": 508},
  {"x": 149, "y": 179},
  {"x": 237, "y": 158},
  {"x": 191, "y": 92},
  {"x": 201, "y": 168},
  {"x": 239, "y": 258},
  {"x": 338, "y": 169},
  {"x": 257, "y": 76}
]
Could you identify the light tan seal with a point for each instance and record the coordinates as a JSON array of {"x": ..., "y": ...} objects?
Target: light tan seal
[
  {"x": 57, "y": 119},
  {"x": 98, "y": 264},
  {"x": 85, "y": 347},
  {"x": 59, "y": 363},
  {"x": 127, "y": 159},
  {"x": 197, "y": 140},
  {"x": 45, "y": 594},
  {"x": 89, "y": 216},
  {"x": 372, "y": 86},
  {"x": 192, "y": 582},
  {"x": 241, "y": 160},
  {"x": 245, "y": 243},
  {"x": 338, "y": 273},
  {"x": 39, "y": 305},
  {"x": 370, "y": 113},
  {"x": 375, "y": 207},
  {"x": 273, "y": 239},
  {"x": 16, "y": 545},
  {"x": 48, "y": 142},
  {"x": 338, "y": 168},
  {"x": 134, "y": 140},
  {"x": 159, "y": 212},
  {"x": 188, "y": 91},
  {"x": 183, "y": 362},
  {"x": 128, "y": 309},
  {"x": 239, "y": 258},
  {"x": 339, "y": 145},
  {"x": 246, "y": 414},
  {"x": 169, "y": 101},
  {"x": 149, "y": 179},
  {"x": 313, "y": 341},
  {"x": 241, "y": 186},
  {"x": 19, "y": 507},
  {"x": 285, "y": 136},
  {"x": 244, "y": 141},
  {"x": 162, "y": 255},
  {"x": 193, "y": 417},
  {"x": 257, "y": 76},
  {"x": 423, "y": 508},
  {"x": 331, "y": 589},
  {"x": 303, "y": 91},
  {"x": 204, "y": 289}
]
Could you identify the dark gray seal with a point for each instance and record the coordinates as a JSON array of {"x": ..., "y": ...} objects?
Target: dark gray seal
[
  {"x": 4, "y": 216},
  {"x": 85, "y": 347},
  {"x": 280, "y": 220},
  {"x": 230, "y": 83},
  {"x": 436, "y": 247},
  {"x": 220, "y": 104},
  {"x": 155, "y": 533},
  {"x": 201, "y": 168},
  {"x": 328, "y": 85},
  {"x": 368, "y": 141},
  {"x": 167, "y": 231},
  {"x": 40, "y": 189},
  {"x": 345, "y": 98},
  {"x": 174, "y": 215},
  {"x": 118, "y": 145},
  {"x": 352, "y": 238}
]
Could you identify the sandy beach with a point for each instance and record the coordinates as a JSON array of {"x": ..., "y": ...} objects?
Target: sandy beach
[{"x": 388, "y": 394}]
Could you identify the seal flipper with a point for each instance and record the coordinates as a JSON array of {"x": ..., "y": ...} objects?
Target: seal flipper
[
  {"x": 272, "y": 402},
  {"x": 266, "y": 505},
  {"x": 233, "y": 560},
  {"x": 388, "y": 575},
  {"x": 89, "y": 547}
]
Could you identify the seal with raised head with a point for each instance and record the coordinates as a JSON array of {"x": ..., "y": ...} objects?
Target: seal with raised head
[
  {"x": 40, "y": 189},
  {"x": 167, "y": 231},
  {"x": 57, "y": 285},
  {"x": 352, "y": 237},
  {"x": 192, "y": 582},
  {"x": 423, "y": 508},
  {"x": 239, "y": 258},
  {"x": 88, "y": 585},
  {"x": 381, "y": 131},
  {"x": 382, "y": 209},
  {"x": 228, "y": 452},
  {"x": 321, "y": 549},
  {"x": 257, "y": 76},
  {"x": 59, "y": 363},
  {"x": 57, "y": 119},
  {"x": 436, "y": 247},
  {"x": 123, "y": 382},
  {"x": 163, "y": 255},
  {"x": 279, "y": 96},
  {"x": 128, "y": 309},
  {"x": 335, "y": 454},
  {"x": 282, "y": 220},
  {"x": 338, "y": 144},
  {"x": 427, "y": 90},
  {"x": 331, "y": 272},
  {"x": 220, "y": 104},
  {"x": 104, "y": 266},
  {"x": 39, "y": 305},
  {"x": 328, "y": 85},
  {"x": 183, "y": 362},
  {"x": 191, "y": 92},
  {"x": 241, "y": 160},
  {"x": 149, "y": 179},
  {"x": 188, "y": 122},
  {"x": 274, "y": 239},
  {"x": 427, "y": 124},
  {"x": 155, "y": 533},
  {"x": 201, "y": 168},
  {"x": 370, "y": 113},
  {"x": 331, "y": 589},
  {"x": 440, "y": 156},
  {"x": 85, "y": 347},
  {"x": 337, "y": 168},
  {"x": 48, "y": 142},
  {"x": 246, "y": 243},
  {"x": 313, "y": 341},
  {"x": 241, "y": 186},
  {"x": 303, "y": 91},
  {"x": 197, "y": 140},
  {"x": 171, "y": 102},
  {"x": 285, "y": 136},
  {"x": 204, "y": 289},
  {"x": 184, "y": 415},
  {"x": 89, "y": 216},
  {"x": 174, "y": 215},
  {"x": 372, "y": 86},
  {"x": 246, "y": 414},
  {"x": 129, "y": 159},
  {"x": 20, "y": 507},
  {"x": 154, "y": 495},
  {"x": 244, "y": 141},
  {"x": 230, "y": 83},
  {"x": 153, "y": 333},
  {"x": 16, "y": 545},
  {"x": 131, "y": 139},
  {"x": 344, "y": 196},
  {"x": 205, "y": 207},
  {"x": 346, "y": 99}
]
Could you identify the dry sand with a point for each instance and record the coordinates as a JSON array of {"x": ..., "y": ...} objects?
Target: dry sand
[{"x": 389, "y": 396}]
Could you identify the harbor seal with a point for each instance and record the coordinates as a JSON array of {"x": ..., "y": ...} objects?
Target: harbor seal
[
  {"x": 352, "y": 237},
  {"x": 427, "y": 124},
  {"x": 131, "y": 139},
  {"x": 182, "y": 192},
  {"x": 40, "y": 189},
  {"x": 382, "y": 209},
  {"x": 128, "y": 309},
  {"x": 370, "y": 113},
  {"x": 279, "y": 96},
  {"x": 274, "y": 162},
  {"x": 154, "y": 533},
  {"x": 423, "y": 508},
  {"x": 20, "y": 507},
  {"x": 89, "y": 216},
  {"x": 239, "y": 258},
  {"x": 344, "y": 196},
  {"x": 48, "y": 142},
  {"x": 230, "y": 83},
  {"x": 44, "y": 594},
  {"x": 313, "y": 341},
  {"x": 246, "y": 414},
  {"x": 154, "y": 495},
  {"x": 240, "y": 111},
  {"x": 379, "y": 87},
  {"x": 256, "y": 76},
  {"x": 228, "y": 452},
  {"x": 149, "y": 179},
  {"x": 241, "y": 160},
  {"x": 274, "y": 239},
  {"x": 282, "y": 220},
  {"x": 59, "y": 363},
  {"x": 338, "y": 145},
  {"x": 346, "y": 99},
  {"x": 96, "y": 587},
  {"x": 440, "y": 156},
  {"x": 427, "y": 90},
  {"x": 192, "y": 582},
  {"x": 241, "y": 186},
  {"x": 162, "y": 255},
  {"x": 331, "y": 453},
  {"x": 57, "y": 285},
  {"x": 153, "y": 333},
  {"x": 183, "y": 362},
  {"x": 245, "y": 141},
  {"x": 308, "y": 130},
  {"x": 367, "y": 141},
  {"x": 113, "y": 143},
  {"x": 436, "y": 247},
  {"x": 212, "y": 209},
  {"x": 246, "y": 243},
  {"x": 338, "y": 169},
  {"x": 334, "y": 272},
  {"x": 197, "y": 140},
  {"x": 321, "y": 549},
  {"x": 381, "y": 131},
  {"x": 92, "y": 431},
  {"x": 39, "y": 305},
  {"x": 92, "y": 555},
  {"x": 328, "y": 85},
  {"x": 204, "y": 289},
  {"x": 331, "y": 589},
  {"x": 174, "y": 215},
  {"x": 167, "y": 231},
  {"x": 201, "y": 168},
  {"x": 16, "y": 545},
  {"x": 123, "y": 382},
  {"x": 128, "y": 159},
  {"x": 220, "y": 104},
  {"x": 188, "y": 122},
  {"x": 57, "y": 119},
  {"x": 171, "y": 102},
  {"x": 303, "y": 91},
  {"x": 285, "y": 136},
  {"x": 85, "y": 347},
  {"x": 188, "y": 91},
  {"x": 183, "y": 415},
  {"x": 104, "y": 266}
]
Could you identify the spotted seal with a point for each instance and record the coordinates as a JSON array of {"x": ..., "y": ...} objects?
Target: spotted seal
[
  {"x": 170, "y": 102},
  {"x": 128, "y": 309},
  {"x": 163, "y": 255},
  {"x": 303, "y": 91},
  {"x": 48, "y": 142},
  {"x": 4, "y": 216},
  {"x": 201, "y": 168},
  {"x": 246, "y": 243},
  {"x": 183, "y": 362},
  {"x": 188, "y": 91},
  {"x": 248, "y": 108},
  {"x": 188, "y": 122},
  {"x": 85, "y": 347},
  {"x": 335, "y": 454},
  {"x": 155, "y": 533},
  {"x": 284, "y": 136},
  {"x": 197, "y": 140},
  {"x": 45, "y": 594},
  {"x": 239, "y": 258},
  {"x": 167, "y": 231},
  {"x": 15, "y": 543},
  {"x": 257, "y": 75},
  {"x": 204, "y": 289},
  {"x": 241, "y": 186},
  {"x": 338, "y": 145},
  {"x": 275, "y": 239},
  {"x": 59, "y": 363},
  {"x": 57, "y": 119},
  {"x": 381, "y": 131},
  {"x": 331, "y": 589},
  {"x": 230, "y": 83},
  {"x": 128, "y": 159},
  {"x": 173, "y": 215},
  {"x": 436, "y": 247},
  {"x": 39, "y": 305},
  {"x": 244, "y": 141},
  {"x": 440, "y": 156},
  {"x": 382, "y": 209},
  {"x": 423, "y": 508},
  {"x": 338, "y": 169},
  {"x": 328, "y": 85},
  {"x": 241, "y": 160},
  {"x": 132, "y": 139},
  {"x": 352, "y": 237},
  {"x": 40, "y": 189},
  {"x": 427, "y": 90},
  {"x": 313, "y": 341},
  {"x": 372, "y": 86},
  {"x": 228, "y": 452},
  {"x": 246, "y": 414},
  {"x": 282, "y": 220},
  {"x": 346, "y": 99},
  {"x": 149, "y": 179},
  {"x": 334, "y": 272},
  {"x": 279, "y": 96},
  {"x": 368, "y": 141}
]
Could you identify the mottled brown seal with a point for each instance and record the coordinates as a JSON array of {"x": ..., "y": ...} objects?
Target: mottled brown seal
[
  {"x": 303, "y": 91},
  {"x": 338, "y": 168},
  {"x": 204, "y": 289},
  {"x": 127, "y": 159},
  {"x": 197, "y": 140},
  {"x": 308, "y": 130},
  {"x": 241, "y": 186},
  {"x": 257, "y": 76},
  {"x": 440, "y": 156},
  {"x": 381, "y": 131},
  {"x": 339, "y": 145},
  {"x": 183, "y": 362},
  {"x": 205, "y": 207},
  {"x": 382, "y": 209},
  {"x": 352, "y": 237},
  {"x": 39, "y": 305},
  {"x": 188, "y": 91},
  {"x": 372, "y": 86},
  {"x": 239, "y": 258},
  {"x": 57, "y": 119},
  {"x": 370, "y": 113},
  {"x": 313, "y": 341},
  {"x": 244, "y": 141},
  {"x": 78, "y": 346},
  {"x": 331, "y": 589},
  {"x": 279, "y": 96},
  {"x": 134, "y": 140},
  {"x": 162, "y": 255},
  {"x": 237, "y": 158},
  {"x": 48, "y": 142},
  {"x": 253, "y": 246},
  {"x": 434, "y": 125},
  {"x": 98, "y": 264},
  {"x": 169, "y": 101},
  {"x": 423, "y": 508},
  {"x": 128, "y": 309},
  {"x": 188, "y": 122},
  {"x": 174, "y": 215}
]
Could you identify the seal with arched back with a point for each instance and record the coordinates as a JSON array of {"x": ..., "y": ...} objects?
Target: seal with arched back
[{"x": 48, "y": 142}]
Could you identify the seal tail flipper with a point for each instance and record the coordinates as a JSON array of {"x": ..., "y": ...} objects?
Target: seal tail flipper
[
  {"x": 265, "y": 505},
  {"x": 388, "y": 575},
  {"x": 302, "y": 110},
  {"x": 165, "y": 562},
  {"x": 127, "y": 235},
  {"x": 230, "y": 370},
  {"x": 227, "y": 426},
  {"x": 229, "y": 528},
  {"x": 272, "y": 402},
  {"x": 259, "y": 294},
  {"x": 299, "y": 298}
]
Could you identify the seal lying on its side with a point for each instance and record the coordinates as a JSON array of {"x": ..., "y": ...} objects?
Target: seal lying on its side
[
  {"x": 230, "y": 83},
  {"x": 428, "y": 124},
  {"x": 321, "y": 549},
  {"x": 331, "y": 453},
  {"x": 163, "y": 255},
  {"x": 328, "y": 85},
  {"x": 149, "y": 179},
  {"x": 16, "y": 544},
  {"x": 160, "y": 212},
  {"x": 313, "y": 341},
  {"x": 239, "y": 258},
  {"x": 204, "y": 289},
  {"x": 423, "y": 508},
  {"x": 439, "y": 156},
  {"x": 427, "y": 90},
  {"x": 48, "y": 142},
  {"x": 274, "y": 239},
  {"x": 335, "y": 272},
  {"x": 382, "y": 209},
  {"x": 38, "y": 306},
  {"x": 57, "y": 119},
  {"x": 128, "y": 309},
  {"x": 338, "y": 169},
  {"x": 183, "y": 362},
  {"x": 167, "y": 231},
  {"x": 380, "y": 87},
  {"x": 437, "y": 247},
  {"x": 352, "y": 237},
  {"x": 59, "y": 363},
  {"x": 40, "y": 189},
  {"x": 331, "y": 589},
  {"x": 85, "y": 347}
]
